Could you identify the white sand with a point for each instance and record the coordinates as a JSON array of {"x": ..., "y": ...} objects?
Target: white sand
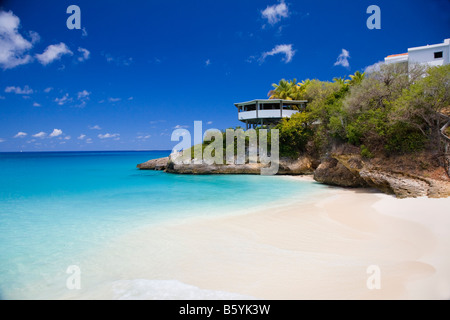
[{"x": 315, "y": 250}]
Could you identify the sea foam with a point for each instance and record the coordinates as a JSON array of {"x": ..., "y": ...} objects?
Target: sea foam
[{"x": 144, "y": 289}]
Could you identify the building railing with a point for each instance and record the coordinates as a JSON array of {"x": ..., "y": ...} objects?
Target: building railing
[{"x": 266, "y": 114}]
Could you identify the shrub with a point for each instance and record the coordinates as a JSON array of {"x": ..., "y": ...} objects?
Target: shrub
[{"x": 365, "y": 152}]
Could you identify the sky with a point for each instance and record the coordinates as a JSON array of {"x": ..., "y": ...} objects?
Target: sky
[{"x": 137, "y": 70}]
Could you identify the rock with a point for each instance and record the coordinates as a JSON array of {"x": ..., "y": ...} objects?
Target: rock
[
  {"x": 332, "y": 172},
  {"x": 351, "y": 171},
  {"x": 155, "y": 164},
  {"x": 391, "y": 183},
  {"x": 213, "y": 169},
  {"x": 300, "y": 166}
]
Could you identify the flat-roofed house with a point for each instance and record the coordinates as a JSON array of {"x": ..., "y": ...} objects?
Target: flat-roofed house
[
  {"x": 431, "y": 55},
  {"x": 267, "y": 112}
]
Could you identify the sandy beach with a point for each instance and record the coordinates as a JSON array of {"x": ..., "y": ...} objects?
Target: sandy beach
[{"x": 319, "y": 249}]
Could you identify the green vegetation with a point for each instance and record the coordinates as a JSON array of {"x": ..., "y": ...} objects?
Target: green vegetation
[
  {"x": 390, "y": 111},
  {"x": 239, "y": 130},
  {"x": 294, "y": 134}
]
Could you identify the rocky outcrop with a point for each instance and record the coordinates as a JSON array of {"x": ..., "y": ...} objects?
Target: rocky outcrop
[
  {"x": 352, "y": 171},
  {"x": 155, "y": 164},
  {"x": 300, "y": 166}
]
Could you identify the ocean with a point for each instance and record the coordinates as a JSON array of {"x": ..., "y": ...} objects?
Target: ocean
[{"x": 61, "y": 209}]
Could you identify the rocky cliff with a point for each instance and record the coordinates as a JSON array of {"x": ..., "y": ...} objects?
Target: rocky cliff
[{"x": 392, "y": 176}]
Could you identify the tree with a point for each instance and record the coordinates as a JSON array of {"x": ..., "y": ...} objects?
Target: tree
[
  {"x": 340, "y": 80},
  {"x": 287, "y": 90},
  {"x": 356, "y": 78},
  {"x": 282, "y": 90},
  {"x": 294, "y": 134},
  {"x": 423, "y": 103}
]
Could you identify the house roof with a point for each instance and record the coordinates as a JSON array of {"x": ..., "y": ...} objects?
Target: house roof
[
  {"x": 397, "y": 55},
  {"x": 270, "y": 101}
]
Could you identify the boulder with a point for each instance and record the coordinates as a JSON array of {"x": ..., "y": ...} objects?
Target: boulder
[{"x": 332, "y": 172}]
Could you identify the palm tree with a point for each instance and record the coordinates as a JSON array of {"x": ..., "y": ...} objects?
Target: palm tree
[
  {"x": 340, "y": 80},
  {"x": 357, "y": 78},
  {"x": 287, "y": 90},
  {"x": 282, "y": 90}
]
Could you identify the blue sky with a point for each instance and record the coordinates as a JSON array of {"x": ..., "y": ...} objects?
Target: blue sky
[{"x": 138, "y": 69}]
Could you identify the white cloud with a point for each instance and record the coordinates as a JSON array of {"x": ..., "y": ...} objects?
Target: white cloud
[
  {"x": 83, "y": 95},
  {"x": 2, "y": 140},
  {"x": 119, "y": 61},
  {"x": 342, "y": 60},
  {"x": 40, "y": 135},
  {"x": 20, "y": 135},
  {"x": 251, "y": 59},
  {"x": 180, "y": 127},
  {"x": 19, "y": 90},
  {"x": 285, "y": 49},
  {"x": 275, "y": 13},
  {"x": 55, "y": 133},
  {"x": 84, "y": 32},
  {"x": 96, "y": 127},
  {"x": 209, "y": 122},
  {"x": 109, "y": 57},
  {"x": 53, "y": 52},
  {"x": 85, "y": 54},
  {"x": 81, "y": 137},
  {"x": 67, "y": 137},
  {"x": 13, "y": 46},
  {"x": 47, "y": 90},
  {"x": 144, "y": 137},
  {"x": 374, "y": 67},
  {"x": 207, "y": 62},
  {"x": 35, "y": 104},
  {"x": 89, "y": 140},
  {"x": 63, "y": 100},
  {"x": 114, "y": 99},
  {"x": 130, "y": 98},
  {"x": 35, "y": 37},
  {"x": 108, "y": 135}
]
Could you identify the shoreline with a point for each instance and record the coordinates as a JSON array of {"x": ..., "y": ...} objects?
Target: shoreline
[{"x": 319, "y": 248}]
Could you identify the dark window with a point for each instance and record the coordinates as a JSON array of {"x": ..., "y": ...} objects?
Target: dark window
[{"x": 438, "y": 55}]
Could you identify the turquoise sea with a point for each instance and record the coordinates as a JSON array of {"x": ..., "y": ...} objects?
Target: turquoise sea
[{"x": 57, "y": 209}]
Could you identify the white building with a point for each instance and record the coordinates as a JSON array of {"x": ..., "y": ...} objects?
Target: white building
[
  {"x": 431, "y": 55},
  {"x": 267, "y": 112}
]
